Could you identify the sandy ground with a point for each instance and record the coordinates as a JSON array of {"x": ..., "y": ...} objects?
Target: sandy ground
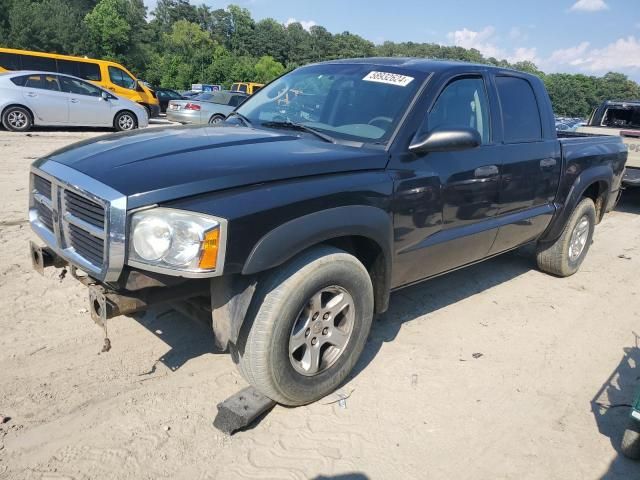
[{"x": 421, "y": 404}]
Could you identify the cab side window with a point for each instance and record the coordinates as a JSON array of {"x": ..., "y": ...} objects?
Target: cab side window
[
  {"x": 51, "y": 83},
  {"x": 78, "y": 87},
  {"x": 121, "y": 78},
  {"x": 462, "y": 104},
  {"x": 520, "y": 113}
]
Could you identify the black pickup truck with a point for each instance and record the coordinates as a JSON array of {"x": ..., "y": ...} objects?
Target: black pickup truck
[{"x": 290, "y": 224}]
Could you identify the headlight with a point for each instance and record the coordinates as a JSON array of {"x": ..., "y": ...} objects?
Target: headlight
[{"x": 176, "y": 241}]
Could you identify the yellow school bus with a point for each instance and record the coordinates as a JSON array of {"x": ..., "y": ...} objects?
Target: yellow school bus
[
  {"x": 105, "y": 74},
  {"x": 246, "y": 87}
]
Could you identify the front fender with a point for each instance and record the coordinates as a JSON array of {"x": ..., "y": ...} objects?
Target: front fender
[{"x": 291, "y": 238}]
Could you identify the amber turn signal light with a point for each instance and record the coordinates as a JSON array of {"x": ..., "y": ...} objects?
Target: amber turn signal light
[{"x": 210, "y": 246}]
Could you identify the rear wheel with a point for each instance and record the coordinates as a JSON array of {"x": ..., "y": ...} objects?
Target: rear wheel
[
  {"x": 125, "y": 121},
  {"x": 17, "y": 119},
  {"x": 310, "y": 326},
  {"x": 564, "y": 257},
  {"x": 216, "y": 119}
]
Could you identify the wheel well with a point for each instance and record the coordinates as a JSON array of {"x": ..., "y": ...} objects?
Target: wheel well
[
  {"x": 372, "y": 257},
  {"x": 21, "y": 106},
  {"x": 125, "y": 111},
  {"x": 598, "y": 193}
]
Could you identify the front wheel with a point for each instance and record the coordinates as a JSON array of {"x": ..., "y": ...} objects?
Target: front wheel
[
  {"x": 564, "y": 257},
  {"x": 125, "y": 121},
  {"x": 216, "y": 119},
  {"x": 308, "y": 327}
]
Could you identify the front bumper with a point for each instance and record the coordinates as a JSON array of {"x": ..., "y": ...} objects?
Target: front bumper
[
  {"x": 105, "y": 302},
  {"x": 631, "y": 177}
]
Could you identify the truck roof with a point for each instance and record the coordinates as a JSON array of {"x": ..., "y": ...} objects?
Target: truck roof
[{"x": 421, "y": 64}]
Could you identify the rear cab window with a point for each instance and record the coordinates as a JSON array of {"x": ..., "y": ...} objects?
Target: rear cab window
[
  {"x": 622, "y": 117},
  {"x": 520, "y": 112}
]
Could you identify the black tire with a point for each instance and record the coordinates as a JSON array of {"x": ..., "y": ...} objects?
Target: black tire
[
  {"x": 215, "y": 119},
  {"x": 17, "y": 119},
  {"x": 263, "y": 350},
  {"x": 125, "y": 121},
  {"x": 631, "y": 441},
  {"x": 148, "y": 109},
  {"x": 558, "y": 258}
]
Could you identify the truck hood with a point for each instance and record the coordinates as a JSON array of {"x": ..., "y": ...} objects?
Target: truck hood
[{"x": 163, "y": 164}]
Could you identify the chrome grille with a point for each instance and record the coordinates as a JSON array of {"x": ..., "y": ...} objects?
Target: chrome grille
[
  {"x": 80, "y": 218},
  {"x": 87, "y": 245},
  {"x": 45, "y": 215},
  {"x": 42, "y": 186},
  {"x": 84, "y": 209}
]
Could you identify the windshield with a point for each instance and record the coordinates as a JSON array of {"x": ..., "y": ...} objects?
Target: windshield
[{"x": 353, "y": 102}]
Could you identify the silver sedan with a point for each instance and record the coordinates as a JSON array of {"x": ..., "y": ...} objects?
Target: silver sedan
[
  {"x": 205, "y": 108},
  {"x": 51, "y": 99}
]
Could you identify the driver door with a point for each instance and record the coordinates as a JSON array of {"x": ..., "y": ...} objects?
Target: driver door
[{"x": 446, "y": 206}]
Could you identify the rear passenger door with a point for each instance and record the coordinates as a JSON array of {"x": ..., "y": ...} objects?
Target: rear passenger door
[
  {"x": 531, "y": 164},
  {"x": 43, "y": 95}
]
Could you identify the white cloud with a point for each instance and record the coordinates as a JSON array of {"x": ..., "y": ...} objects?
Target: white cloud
[
  {"x": 621, "y": 55},
  {"x": 481, "y": 41},
  {"x": 306, "y": 24},
  {"x": 589, "y": 6},
  {"x": 485, "y": 41}
]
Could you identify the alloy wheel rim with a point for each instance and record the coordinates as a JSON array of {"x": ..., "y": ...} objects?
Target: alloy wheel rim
[
  {"x": 215, "y": 120},
  {"x": 322, "y": 331},
  {"x": 17, "y": 119},
  {"x": 126, "y": 122},
  {"x": 579, "y": 237}
]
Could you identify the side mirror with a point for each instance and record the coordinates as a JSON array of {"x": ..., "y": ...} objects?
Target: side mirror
[
  {"x": 105, "y": 96},
  {"x": 446, "y": 140}
]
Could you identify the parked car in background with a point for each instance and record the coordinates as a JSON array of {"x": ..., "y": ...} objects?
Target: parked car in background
[
  {"x": 205, "y": 108},
  {"x": 50, "y": 99},
  {"x": 620, "y": 118},
  {"x": 292, "y": 223},
  {"x": 110, "y": 75},
  {"x": 246, "y": 87},
  {"x": 165, "y": 95}
]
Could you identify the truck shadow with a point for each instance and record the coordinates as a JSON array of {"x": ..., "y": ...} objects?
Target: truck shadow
[
  {"x": 187, "y": 338},
  {"x": 611, "y": 408},
  {"x": 413, "y": 302}
]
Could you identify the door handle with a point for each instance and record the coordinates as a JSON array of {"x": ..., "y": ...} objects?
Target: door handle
[
  {"x": 548, "y": 163},
  {"x": 31, "y": 94},
  {"x": 486, "y": 171},
  {"x": 74, "y": 100}
]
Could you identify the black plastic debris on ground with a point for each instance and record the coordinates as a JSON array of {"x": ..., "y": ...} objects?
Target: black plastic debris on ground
[{"x": 241, "y": 409}]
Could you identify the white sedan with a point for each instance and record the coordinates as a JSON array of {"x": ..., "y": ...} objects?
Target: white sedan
[{"x": 51, "y": 99}]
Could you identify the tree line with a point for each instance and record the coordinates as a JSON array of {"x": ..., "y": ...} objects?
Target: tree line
[{"x": 179, "y": 43}]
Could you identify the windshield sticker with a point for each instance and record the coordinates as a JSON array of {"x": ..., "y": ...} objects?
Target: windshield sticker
[{"x": 388, "y": 78}]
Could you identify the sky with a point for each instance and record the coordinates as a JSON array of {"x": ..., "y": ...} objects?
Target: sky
[{"x": 580, "y": 36}]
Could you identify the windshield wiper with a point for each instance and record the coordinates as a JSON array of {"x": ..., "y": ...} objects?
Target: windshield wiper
[
  {"x": 244, "y": 119},
  {"x": 301, "y": 128}
]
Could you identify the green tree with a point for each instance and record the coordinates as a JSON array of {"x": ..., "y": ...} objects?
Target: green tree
[
  {"x": 54, "y": 26},
  {"x": 267, "y": 69},
  {"x": 241, "y": 41},
  {"x": 116, "y": 30}
]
